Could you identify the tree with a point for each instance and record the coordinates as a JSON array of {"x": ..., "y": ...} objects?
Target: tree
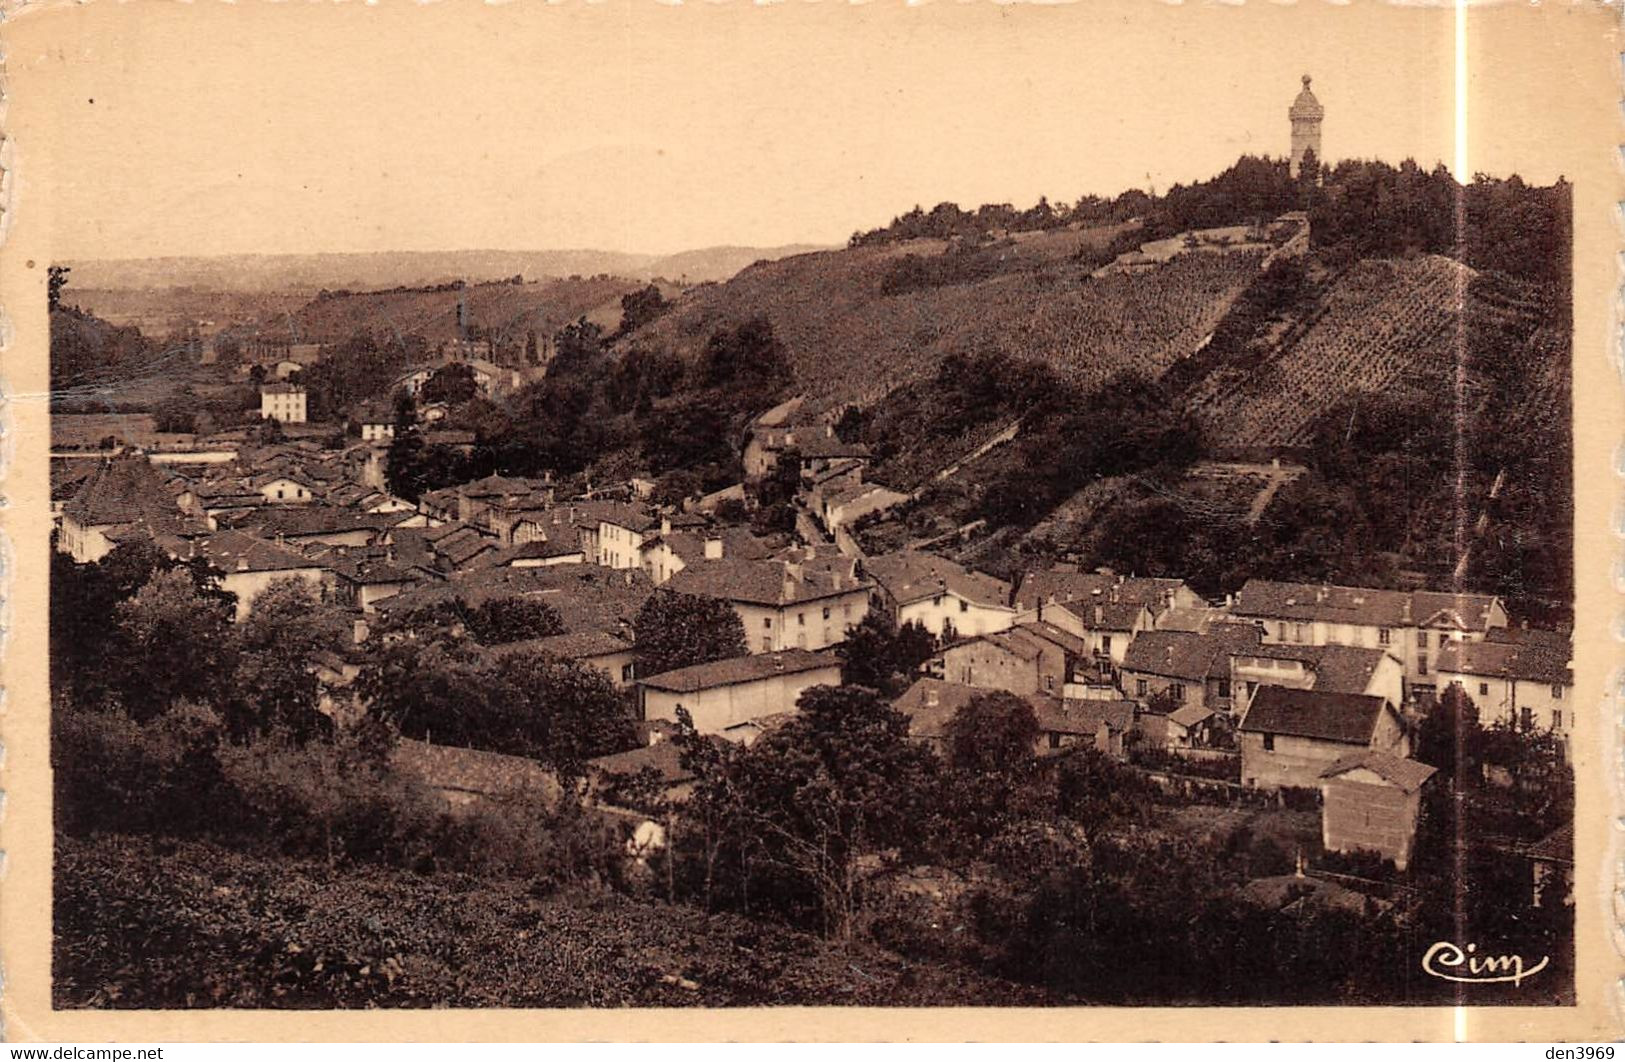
[
  {"x": 882, "y": 656},
  {"x": 568, "y": 713},
  {"x": 172, "y": 644},
  {"x": 404, "y": 462},
  {"x": 452, "y": 384},
  {"x": 56, "y": 278},
  {"x": 513, "y": 619},
  {"x": 286, "y": 627},
  {"x": 747, "y": 354},
  {"x": 522, "y": 703},
  {"x": 674, "y": 630},
  {"x": 1451, "y": 738},
  {"x": 640, "y": 307},
  {"x": 839, "y": 782},
  {"x": 994, "y": 733}
]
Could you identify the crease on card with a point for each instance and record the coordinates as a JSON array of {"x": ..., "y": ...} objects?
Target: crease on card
[
  {"x": 8, "y": 185},
  {"x": 1613, "y": 691}
]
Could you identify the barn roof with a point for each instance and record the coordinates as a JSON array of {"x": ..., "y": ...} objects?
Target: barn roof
[
  {"x": 1346, "y": 718},
  {"x": 1408, "y": 775},
  {"x": 741, "y": 669}
]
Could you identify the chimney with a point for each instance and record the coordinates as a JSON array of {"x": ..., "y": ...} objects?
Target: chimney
[
  {"x": 1100, "y": 615},
  {"x": 665, "y": 524},
  {"x": 713, "y": 547},
  {"x": 242, "y": 564}
]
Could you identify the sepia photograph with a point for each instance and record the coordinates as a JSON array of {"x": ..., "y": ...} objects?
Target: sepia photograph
[{"x": 862, "y": 508}]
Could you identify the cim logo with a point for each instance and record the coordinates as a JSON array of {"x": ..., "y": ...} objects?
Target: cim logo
[{"x": 1450, "y": 962}]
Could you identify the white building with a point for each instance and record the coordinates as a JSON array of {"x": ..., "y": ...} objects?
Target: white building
[
  {"x": 283, "y": 402},
  {"x": 1530, "y": 686}
]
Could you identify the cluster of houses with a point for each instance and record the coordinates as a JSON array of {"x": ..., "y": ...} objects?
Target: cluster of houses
[
  {"x": 832, "y": 471},
  {"x": 1306, "y": 686}
]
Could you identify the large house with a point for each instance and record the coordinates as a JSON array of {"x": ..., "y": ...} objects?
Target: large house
[
  {"x": 284, "y": 402},
  {"x": 726, "y": 694},
  {"x": 1290, "y": 737},
  {"x": 683, "y": 541},
  {"x": 247, "y": 565},
  {"x": 1026, "y": 659},
  {"x": 1414, "y": 625},
  {"x": 1530, "y": 686},
  {"x": 622, "y": 529},
  {"x": 945, "y": 598},
  {"x": 1064, "y": 588},
  {"x": 1328, "y": 668},
  {"x": 803, "y": 600},
  {"x": 1169, "y": 670},
  {"x": 123, "y": 498}
]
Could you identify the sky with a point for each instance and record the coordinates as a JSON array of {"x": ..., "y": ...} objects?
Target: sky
[{"x": 651, "y": 127}]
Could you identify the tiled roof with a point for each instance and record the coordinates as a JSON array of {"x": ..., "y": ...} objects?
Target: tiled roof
[
  {"x": 1554, "y": 640},
  {"x": 914, "y": 575},
  {"x": 1347, "y": 718},
  {"x": 1118, "y": 616},
  {"x": 776, "y": 583},
  {"x": 663, "y": 757},
  {"x": 1532, "y": 663},
  {"x": 315, "y": 520},
  {"x": 1049, "y": 632},
  {"x": 1366, "y": 607},
  {"x": 741, "y": 669},
  {"x": 820, "y": 446},
  {"x": 631, "y": 517},
  {"x": 931, "y": 702},
  {"x": 1094, "y": 587},
  {"x": 1190, "y": 715},
  {"x": 1074, "y": 716},
  {"x": 1187, "y": 655},
  {"x": 1408, "y": 775},
  {"x": 128, "y": 489},
  {"x": 582, "y": 645},
  {"x": 235, "y": 551},
  {"x": 1337, "y": 668}
]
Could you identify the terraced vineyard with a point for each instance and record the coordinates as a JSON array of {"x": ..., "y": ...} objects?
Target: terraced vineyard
[
  {"x": 849, "y": 340},
  {"x": 1377, "y": 323}
]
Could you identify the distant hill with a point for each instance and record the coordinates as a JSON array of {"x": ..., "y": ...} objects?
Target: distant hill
[
  {"x": 506, "y": 311},
  {"x": 366, "y": 271}
]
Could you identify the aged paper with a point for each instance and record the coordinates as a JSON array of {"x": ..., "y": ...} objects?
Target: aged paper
[{"x": 534, "y": 509}]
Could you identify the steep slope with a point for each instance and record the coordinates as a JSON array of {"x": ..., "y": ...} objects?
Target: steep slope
[{"x": 859, "y": 322}]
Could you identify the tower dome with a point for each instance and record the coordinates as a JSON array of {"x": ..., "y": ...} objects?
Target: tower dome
[
  {"x": 1305, "y": 114},
  {"x": 1306, "y": 107}
]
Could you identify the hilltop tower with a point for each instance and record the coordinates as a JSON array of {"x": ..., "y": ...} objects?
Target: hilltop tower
[{"x": 1306, "y": 115}]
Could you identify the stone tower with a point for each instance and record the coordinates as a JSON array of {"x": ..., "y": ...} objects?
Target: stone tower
[{"x": 1306, "y": 115}]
